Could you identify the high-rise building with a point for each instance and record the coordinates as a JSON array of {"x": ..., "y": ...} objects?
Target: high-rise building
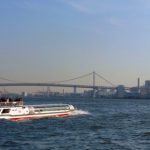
[{"x": 147, "y": 84}]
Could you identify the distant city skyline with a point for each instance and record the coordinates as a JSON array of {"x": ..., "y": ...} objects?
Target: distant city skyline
[{"x": 46, "y": 41}]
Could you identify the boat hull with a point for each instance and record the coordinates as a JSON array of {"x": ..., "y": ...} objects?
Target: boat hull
[{"x": 35, "y": 116}]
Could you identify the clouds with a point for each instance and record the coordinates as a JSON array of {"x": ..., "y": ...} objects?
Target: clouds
[
  {"x": 106, "y": 6},
  {"x": 93, "y": 6},
  {"x": 116, "y": 13},
  {"x": 82, "y": 6},
  {"x": 78, "y": 6},
  {"x": 85, "y": 6}
]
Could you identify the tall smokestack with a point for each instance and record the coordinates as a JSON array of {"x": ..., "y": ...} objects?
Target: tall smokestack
[{"x": 138, "y": 84}]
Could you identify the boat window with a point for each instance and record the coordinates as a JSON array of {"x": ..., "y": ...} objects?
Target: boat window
[
  {"x": 6, "y": 111},
  {"x": 51, "y": 109}
]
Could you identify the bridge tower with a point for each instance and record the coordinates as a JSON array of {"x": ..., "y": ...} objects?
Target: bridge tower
[
  {"x": 94, "y": 78},
  {"x": 94, "y": 90}
]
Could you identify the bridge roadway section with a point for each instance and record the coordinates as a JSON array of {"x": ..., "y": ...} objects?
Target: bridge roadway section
[{"x": 57, "y": 85}]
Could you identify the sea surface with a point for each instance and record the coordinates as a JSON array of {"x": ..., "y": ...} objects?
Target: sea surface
[{"x": 99, "y": 124}]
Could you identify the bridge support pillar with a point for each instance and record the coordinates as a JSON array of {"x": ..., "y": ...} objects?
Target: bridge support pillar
[
  {"x": 75, "y": 89},
  {"x": 94, "y": 93},
  {"x": 94, "y": 79}
]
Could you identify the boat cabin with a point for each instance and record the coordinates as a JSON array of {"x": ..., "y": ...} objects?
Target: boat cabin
[{"x": 14, "y": 110}]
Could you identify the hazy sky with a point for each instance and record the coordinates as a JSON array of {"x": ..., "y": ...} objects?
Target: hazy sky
[{"x": 50, "y": 40}]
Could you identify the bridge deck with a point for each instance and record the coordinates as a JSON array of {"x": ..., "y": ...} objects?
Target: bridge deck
[{"x": 57, "y": 85}]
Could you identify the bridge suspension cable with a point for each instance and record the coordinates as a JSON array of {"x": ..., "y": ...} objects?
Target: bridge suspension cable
[
  {"x": 105, "y": 79},
  {"x": 79, "y": 77}
]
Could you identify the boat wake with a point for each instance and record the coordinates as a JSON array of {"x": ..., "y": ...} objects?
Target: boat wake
[{"x": 80, "y": 112}]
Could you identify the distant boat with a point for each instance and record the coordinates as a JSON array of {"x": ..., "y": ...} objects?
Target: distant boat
[{"x": 13, "y": 109}]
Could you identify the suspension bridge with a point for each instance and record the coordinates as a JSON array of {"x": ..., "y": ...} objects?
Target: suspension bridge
[{"x": 63, "y": 83}]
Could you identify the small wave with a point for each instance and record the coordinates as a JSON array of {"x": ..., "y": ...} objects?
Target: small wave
[{"x": 80, "y": 112}]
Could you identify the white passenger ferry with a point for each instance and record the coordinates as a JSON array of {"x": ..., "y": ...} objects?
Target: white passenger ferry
[{"x": 13, "y": 109}]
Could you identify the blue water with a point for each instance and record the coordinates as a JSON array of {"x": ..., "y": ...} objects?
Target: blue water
[{"x": 100, "y": 125}]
